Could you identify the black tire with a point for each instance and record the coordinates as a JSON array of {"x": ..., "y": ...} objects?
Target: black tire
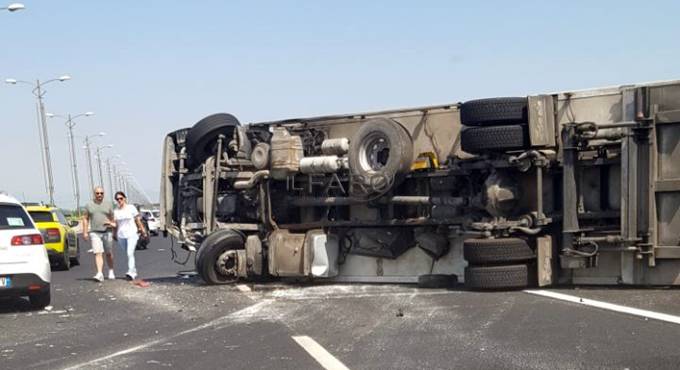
[
  {"x": 201, "y": 140},
  {"x": 494, "y": 138},
  {"x": 40, "y": 300},
  {"x": 64, "y": 260},
  {"x": 75, "y": 261},
  {"x": 494, "y": 111},
  {"x": 436, "y": 281},
  {"x": 497, "y": 277},
  {"x": 380, "y": 154},
  {"x": 210, "y": 250},
  {"x": 490, "y": 251}
]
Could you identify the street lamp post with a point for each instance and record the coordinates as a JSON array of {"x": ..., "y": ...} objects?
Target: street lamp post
[
  {"x": 125, "y": 183},
  {"x": 70, "y": 123},
  {"x": 99, "y": 162},
  {"x": 118, "y": 174},
  {"x": 13, "y": 7},
  {"x": 113, "y": 176},
  {"x": 108, "y": 170},
  {"x": 116, "y": 177},
  {"x": 90, "y": 171},
  {"x": 42, "y": 128}
]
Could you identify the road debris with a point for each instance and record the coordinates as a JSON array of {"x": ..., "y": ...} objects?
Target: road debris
[{"x": 141, "y": 283}]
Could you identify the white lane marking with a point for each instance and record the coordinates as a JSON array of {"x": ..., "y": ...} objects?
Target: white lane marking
[
  {"x": 319, "y": 353},
  {"x": 244, "y": 288},
  {"x": 607, "y": 306},
  {"x": 248, "y": 311}
]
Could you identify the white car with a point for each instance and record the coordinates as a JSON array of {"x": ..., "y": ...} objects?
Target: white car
[
  {"x": 24, "y": 265},
  {"x": 152, "y": 218}
]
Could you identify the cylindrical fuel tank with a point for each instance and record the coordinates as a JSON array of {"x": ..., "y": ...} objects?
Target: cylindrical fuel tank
[
  {"x": 321, "y": 164},
  {"x": 339, "y": 146}
]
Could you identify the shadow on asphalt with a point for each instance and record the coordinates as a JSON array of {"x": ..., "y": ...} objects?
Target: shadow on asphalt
[
  {"x": 11, "y": 305},
  {"x": 166, "y": 280},
  {"x": 91, "y": 280},
  {"x": 177, "y": 280}
]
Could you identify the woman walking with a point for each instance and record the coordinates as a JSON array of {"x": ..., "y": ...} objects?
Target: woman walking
[{"x": 128, "y": 223}]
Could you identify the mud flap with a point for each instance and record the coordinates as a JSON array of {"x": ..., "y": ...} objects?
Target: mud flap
[{"x": 544, "y": 253}]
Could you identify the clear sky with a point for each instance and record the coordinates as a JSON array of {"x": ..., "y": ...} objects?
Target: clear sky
[{"x": 147, "y": 67}]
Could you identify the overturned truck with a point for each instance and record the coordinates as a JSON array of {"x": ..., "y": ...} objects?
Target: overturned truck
[{"x": 575, "y": 187}]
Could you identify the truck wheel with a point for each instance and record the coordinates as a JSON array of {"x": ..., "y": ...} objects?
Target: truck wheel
[
  {"x": 488, "y": 251},
  {"x": 201, "y": 140},
  {"x": 494, "y": 111},
  {"x": 214, "y": 263},
  {"x": 40, "y": 300},
  {"x": 436, "y": 281},
  {"x": 380, "y": 153},
  {"x": 494, "y": 138},
  {"x": 497, "y": 277}
]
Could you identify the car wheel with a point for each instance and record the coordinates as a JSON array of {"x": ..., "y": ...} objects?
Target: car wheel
[
  {"x": 380, "y": 154},
  {"x": 75, "y": 261},
  {"x": 494, "y": 111},
  {"x": 497, "y": 277},
  {"x": 65, "y": 260},
  {"x": 201, "y": 141},
  {"x": 490, "y": 251},
  {"x": 215, "y": 260},
  {"x": 41, "y": 300},
  {"x": 436, "y": 281},
  {"x": 477, "y": 140}
]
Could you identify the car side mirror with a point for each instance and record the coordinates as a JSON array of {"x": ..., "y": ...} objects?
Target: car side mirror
[{"x": 73, "y": 223}]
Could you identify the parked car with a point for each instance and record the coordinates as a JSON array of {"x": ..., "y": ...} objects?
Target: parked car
[
  {"x": 61, "y": 240},
  {"x": 24, "y": 265},
  {"x": 152, "y": 219}
]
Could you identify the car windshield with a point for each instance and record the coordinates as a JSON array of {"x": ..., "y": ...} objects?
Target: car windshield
[
  {"x": 41, "y": 216},
  {"x": 156, "y": 214},
  {"x": 14, "y": 217}
]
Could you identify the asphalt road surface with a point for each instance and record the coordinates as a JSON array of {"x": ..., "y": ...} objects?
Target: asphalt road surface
[{"x": 177, "y": 322}]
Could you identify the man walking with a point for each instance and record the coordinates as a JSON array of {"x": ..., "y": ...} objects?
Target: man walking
[{"x": 99, "y": 217}]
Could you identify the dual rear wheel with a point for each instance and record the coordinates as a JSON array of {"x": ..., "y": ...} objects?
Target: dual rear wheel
[
  {"x": 494, "y": 125},
  {"x": 502, "y": 263}
]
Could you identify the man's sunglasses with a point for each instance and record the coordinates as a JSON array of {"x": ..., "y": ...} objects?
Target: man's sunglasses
[{"x": 98, "y": 193}]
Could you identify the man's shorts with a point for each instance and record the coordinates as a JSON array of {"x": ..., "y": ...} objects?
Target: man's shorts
[{"x": 101, "y": 241}]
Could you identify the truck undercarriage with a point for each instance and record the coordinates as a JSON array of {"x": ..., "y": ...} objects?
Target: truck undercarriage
[{"x": 565, "y": 188}]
